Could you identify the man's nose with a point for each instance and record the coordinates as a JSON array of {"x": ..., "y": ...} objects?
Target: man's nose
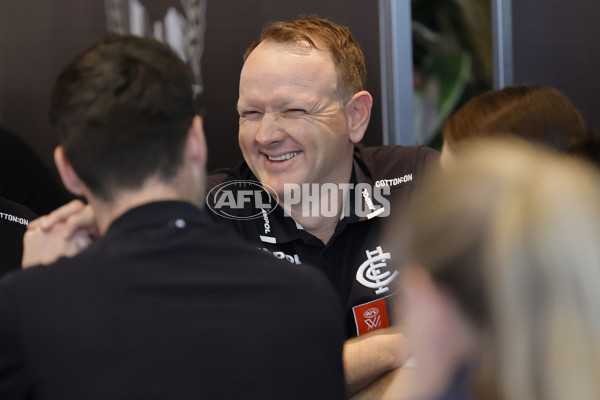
[{"x": 270, "y": 129}]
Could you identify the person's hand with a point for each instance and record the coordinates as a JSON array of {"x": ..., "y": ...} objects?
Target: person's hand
[
  {"x": 76, "y": 215},
  {"x": 64, "y": 232}
]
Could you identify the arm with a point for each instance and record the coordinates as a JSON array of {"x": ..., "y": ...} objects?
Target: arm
[
  {"x": 64, "y": 232},
  {"x": 371, "y": 356},
  {"x": 394, "y": 385}
]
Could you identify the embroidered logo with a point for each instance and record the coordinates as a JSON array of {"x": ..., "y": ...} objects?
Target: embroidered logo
[
  {"x": 371, "y": 316},
  {"x": 371, "y": 312},
  {"x": 370, "y": 273},
  {"x": 373, "y": 322},
  {"x": 13, "y": 218},
  {"x": 295, "y": 259},
  {"x": 395, "y": 181}
]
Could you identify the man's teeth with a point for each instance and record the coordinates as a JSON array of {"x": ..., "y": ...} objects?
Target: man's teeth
[{"x": 283, "y": 156}]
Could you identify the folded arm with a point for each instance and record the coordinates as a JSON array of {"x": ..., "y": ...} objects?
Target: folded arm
[{"x": 369, "y": 357}]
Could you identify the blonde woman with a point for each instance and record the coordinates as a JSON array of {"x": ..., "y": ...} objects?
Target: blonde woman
[{"x": 501, "y": 277}]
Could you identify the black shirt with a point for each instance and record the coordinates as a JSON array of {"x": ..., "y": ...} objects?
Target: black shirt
[
  {"x": 168, "y": 305},
  {"x": 13, "y": 224},
  {"x": 353, "y": 259}
]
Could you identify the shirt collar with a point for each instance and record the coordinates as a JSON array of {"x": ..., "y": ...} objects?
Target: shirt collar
[
  {"x": 286, "y": 229},
  {"x": 177, "y": 214}
]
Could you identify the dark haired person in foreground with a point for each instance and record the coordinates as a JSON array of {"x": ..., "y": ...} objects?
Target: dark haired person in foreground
[{"x": 165, "y": 305}]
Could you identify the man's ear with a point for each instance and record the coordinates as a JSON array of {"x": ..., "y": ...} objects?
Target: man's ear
[
  {"x": 358, "y": 113},
  {"x": 196, "y": 143},
  {"x": 67, "y": 173}
]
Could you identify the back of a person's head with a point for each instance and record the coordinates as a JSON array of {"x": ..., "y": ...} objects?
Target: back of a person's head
[
  {"x": 587, "y": 148},
  {"x": 536, "y": 113},
  {"x": 122, "y": 110},
  {"x": 466, "y": 122},
  {"x": 511, "y": 233},
  {"x": 317, "y": 32}
]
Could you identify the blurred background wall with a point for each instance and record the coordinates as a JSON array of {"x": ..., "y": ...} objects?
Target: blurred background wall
[{"x": 557, "y": 43}]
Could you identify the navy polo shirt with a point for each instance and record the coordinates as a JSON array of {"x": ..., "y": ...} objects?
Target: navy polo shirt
[{"x": 354, "y": 260}]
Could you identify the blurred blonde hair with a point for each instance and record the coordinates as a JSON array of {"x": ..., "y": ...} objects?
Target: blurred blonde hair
[{"x": 512, "y": 234}]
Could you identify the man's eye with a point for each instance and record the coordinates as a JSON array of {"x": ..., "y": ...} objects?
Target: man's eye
[
  {"x": 295, "y": 111},
  {"x": 250, "y": 114}
]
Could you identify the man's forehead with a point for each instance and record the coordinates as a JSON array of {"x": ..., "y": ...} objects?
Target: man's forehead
[
  {"x": 280, "y": 99},
  {"x": 274, "y": 71},
  {"x": 300, "y": 48}
]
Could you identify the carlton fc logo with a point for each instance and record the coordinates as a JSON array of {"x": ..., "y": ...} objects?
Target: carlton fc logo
[{"x": 373, "y": 272}]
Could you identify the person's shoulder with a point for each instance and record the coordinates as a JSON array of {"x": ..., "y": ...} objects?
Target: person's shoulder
[
  {"x": 16, "y": 210},
  {"x": 403, "y": 163},
  {"x": 14, "y": 218},
  {"x": 25, "y": 287},
  {"x": 53, "y": 274},
  {"x": 397, "y": 154},
  {"x": 240, "y": 172}
]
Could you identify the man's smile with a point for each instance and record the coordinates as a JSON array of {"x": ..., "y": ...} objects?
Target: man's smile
[{"x": 283, "y": 157}]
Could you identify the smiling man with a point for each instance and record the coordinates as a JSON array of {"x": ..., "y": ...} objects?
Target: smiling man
[
  {"x": 303, "y": 111},
  {"x": 294, "y": 128}
]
